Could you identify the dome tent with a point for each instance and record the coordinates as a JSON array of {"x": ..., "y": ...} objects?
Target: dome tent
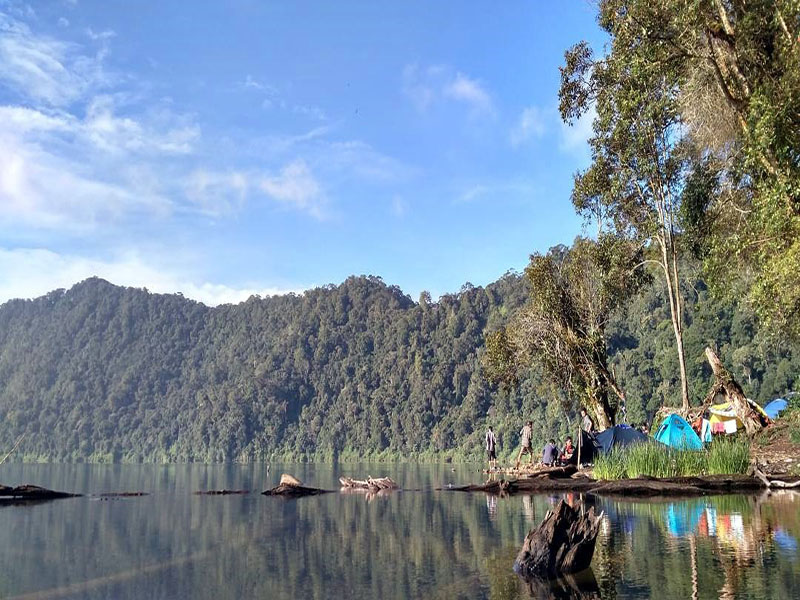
[
  {"x": 675, "y": 432},
  {"x": 618, "y": 436},
  {"x": 775, "y": 408}
]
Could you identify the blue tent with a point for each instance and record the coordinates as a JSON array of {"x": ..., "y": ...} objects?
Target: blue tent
[
  {"x": 774, "y": 408},
  {"x": 677, "y": 433},
  {"x": 618, "y": 436}
]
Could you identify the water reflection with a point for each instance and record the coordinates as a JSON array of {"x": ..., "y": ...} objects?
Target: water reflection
[{"x": 418, "y": 544}]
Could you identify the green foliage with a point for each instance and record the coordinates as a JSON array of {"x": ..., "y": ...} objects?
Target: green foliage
[
  {"x": 351, "y": 372},
  {"x": 723, "y": 457},
  {"x": 726, "y": 75},
  {"x": 562, "y": 328}
]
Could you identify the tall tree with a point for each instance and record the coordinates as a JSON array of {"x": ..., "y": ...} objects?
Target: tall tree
[
  {"x": 638, "y": 169},
  {"x": 736, "y": 68},
  {"x": 562, "y": 329}
]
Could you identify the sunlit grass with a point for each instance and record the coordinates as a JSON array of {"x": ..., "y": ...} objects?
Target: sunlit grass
[{"x": 723, "y": 457}]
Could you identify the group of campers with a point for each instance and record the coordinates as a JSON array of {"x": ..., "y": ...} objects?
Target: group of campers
[{"x": 552, "y": 455}]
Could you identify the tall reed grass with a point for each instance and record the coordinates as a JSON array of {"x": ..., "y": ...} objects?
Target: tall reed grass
[{"x": 652, "y": 459}]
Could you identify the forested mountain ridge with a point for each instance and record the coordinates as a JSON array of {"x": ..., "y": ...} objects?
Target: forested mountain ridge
[{"x": 101, "y": 372}]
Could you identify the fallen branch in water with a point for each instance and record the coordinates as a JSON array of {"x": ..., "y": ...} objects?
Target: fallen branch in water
[
  {"x": 774, "y": 483},
  {"x": 373, "y": 485}
]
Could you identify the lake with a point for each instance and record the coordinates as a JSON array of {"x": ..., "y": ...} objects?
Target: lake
[{"x": 410, "y": 544}]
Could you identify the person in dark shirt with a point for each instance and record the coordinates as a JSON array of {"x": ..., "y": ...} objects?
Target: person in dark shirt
[
  {"x": 550, "y": 453},
  {"x": 491, "y": 449}
]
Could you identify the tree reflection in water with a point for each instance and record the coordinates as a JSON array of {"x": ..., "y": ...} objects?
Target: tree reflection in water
[{"x": 419, "y": 544}]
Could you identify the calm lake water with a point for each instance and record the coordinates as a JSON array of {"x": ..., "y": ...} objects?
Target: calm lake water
[{"x": 411, "y": 544}]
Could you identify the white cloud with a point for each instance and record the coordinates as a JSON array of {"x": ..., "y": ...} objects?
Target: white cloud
[
  {"x": 531, "y": 125},
  {"x": 469, "y": 91},
  {"x": 44, "y": 69},
  {"x": 100, "y": 35},
  {"x": 111, "y": 133},
  {"x": 43, "y": 190},
  {"x": 64, "y": 172},
  {"x": 295, "y": 186},
  {"x": 33, "y": 272},
  {"x": 515, "y": 190},
  {"x": 217, "y": 193},
  {"x": 439, "y": 83},
  {"x": 63, "y": 22},
  {"x": 575, "y": 137}
]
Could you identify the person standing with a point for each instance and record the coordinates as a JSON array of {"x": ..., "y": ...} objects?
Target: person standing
[
  {"x": 525, "y": 434},
  {"x": 586, "y": 422},
  {"x": 491, "y": 449}
]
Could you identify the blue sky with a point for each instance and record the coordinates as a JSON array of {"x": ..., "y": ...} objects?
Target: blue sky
[{"x": 222, "y": 149}]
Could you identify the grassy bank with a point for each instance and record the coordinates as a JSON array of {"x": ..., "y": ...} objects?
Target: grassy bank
[{"x": 722, "y": 457}]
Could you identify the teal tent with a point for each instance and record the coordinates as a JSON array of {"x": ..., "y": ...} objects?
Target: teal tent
[{"x": 677, "y": 433}]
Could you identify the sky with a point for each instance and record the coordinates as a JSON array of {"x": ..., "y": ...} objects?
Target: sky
[{"x": 224, "y": 149}]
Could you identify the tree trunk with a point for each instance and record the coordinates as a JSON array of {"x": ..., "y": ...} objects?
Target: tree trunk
[
  {"x": 597, "y": 405},
  {"x": 675, "y": 308},
  {"x": 563, "y": 543},
  {"x": 725, "y": 385}
]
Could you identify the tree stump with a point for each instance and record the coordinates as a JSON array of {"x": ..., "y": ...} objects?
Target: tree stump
[
  {"x": 287, "y": 479},
  {"x": 291, "y": 487},
  {"x": 563, "y": 543},
  {"x": 726, "y": 389}
]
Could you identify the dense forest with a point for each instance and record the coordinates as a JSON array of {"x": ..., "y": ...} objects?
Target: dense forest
[{"x": 358, "y": 370}]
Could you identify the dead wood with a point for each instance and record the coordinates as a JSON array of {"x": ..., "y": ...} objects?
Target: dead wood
[
  {"x": 373, "y": 485},
  {"x": 726, "y": 389},
  {"x": 290, "y": 487},
  {"x": 32, "y": 492},
  {"x": 563, "y": 542}
]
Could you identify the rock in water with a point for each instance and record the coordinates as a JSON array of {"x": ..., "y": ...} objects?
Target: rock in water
[
  {"x": 289, "y": 480},
  {"x": 562, "y": 543}
]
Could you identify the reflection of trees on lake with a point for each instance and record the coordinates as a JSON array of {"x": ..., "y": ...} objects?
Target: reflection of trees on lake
[{"x": 404, "y": 545}]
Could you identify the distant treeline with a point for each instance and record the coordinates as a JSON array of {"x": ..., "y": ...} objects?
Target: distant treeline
[{"x": 358, "y": 370}]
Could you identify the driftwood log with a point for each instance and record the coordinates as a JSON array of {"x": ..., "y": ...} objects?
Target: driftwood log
[
  {"x": 563, "y": 543},
  {"x": 726, "y": 389},
  {"x": 369, "y": 484},
  {"x": 640, "y": 487},
  {"x": 291, "y": 487},
  {"x": 222, "y": 493},
  {"x": 770, "y": 482},
  {"x": 32, "y": 492}
]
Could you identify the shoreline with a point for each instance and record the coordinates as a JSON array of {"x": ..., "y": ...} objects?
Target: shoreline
[{"x": 641, "y": 487}]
